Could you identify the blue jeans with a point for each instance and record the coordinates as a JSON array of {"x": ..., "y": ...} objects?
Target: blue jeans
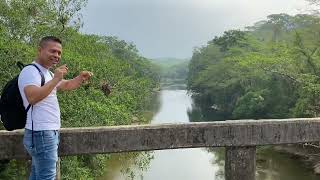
[{"x": 44, "y": 153}]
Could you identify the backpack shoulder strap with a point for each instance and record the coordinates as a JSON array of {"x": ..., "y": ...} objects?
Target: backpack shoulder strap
[
  {"x": 51, "y": 74},
  {"x": 42, "y": 80},
  {"x": 40, "y": 72},
  {"x": 21, "y": 66}
]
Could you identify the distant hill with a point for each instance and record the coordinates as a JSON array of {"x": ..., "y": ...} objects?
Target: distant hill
[
  {"x": 172, "y": 70},
  {"x": 168, "y": 62}
]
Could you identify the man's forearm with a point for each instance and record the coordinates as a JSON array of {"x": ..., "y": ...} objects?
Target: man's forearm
[
  {"x": 35, "y": 94},
  {"x": 67, "y": 85}
]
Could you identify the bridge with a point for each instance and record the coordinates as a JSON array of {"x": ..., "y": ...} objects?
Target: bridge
[{"x": 240, "y": 137}]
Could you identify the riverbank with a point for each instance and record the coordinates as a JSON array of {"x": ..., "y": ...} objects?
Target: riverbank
[{"x": 307, "y": 154}]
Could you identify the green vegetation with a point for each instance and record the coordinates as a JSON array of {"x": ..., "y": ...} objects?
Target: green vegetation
[
  {"x": 269, "y": 70},
  {"x": 114, "y": 62}
]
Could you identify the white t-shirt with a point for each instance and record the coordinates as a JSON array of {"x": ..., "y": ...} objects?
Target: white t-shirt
[{"x": 45, "y": 113}]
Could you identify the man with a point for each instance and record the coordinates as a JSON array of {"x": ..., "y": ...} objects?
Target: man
[{"x": 41, "y": 137}]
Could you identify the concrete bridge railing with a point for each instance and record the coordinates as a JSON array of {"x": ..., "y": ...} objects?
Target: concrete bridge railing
[{"x": 239, "y": 137}]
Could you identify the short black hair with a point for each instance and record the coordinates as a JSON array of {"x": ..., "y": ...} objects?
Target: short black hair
[{"x": 46, "y": 39}]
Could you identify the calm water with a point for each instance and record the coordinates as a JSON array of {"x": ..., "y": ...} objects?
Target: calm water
[{"x": 202, "y": 163}]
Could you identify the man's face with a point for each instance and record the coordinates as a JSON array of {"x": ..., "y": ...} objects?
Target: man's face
[{"x": 50, "y": 54}]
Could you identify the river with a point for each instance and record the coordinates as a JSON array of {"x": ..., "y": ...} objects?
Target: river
[{"x": 204, "y": 163}]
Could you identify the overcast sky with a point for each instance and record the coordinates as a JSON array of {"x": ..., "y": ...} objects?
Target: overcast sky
[{"x": 172, "y": 28}]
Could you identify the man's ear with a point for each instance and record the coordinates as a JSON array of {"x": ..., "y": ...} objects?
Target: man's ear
[{"x": 39, "y": 50}]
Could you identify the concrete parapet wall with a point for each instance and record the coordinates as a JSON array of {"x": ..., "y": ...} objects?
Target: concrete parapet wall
[{"x": 94, "y": 140}]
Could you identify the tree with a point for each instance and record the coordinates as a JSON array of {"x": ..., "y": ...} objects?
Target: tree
[{"x": 271, "y": 70}]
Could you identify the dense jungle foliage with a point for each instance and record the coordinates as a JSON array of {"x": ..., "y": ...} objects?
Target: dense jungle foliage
[
  {"x": 268, "y": 70},
  {"x": 114, "y": 62}
]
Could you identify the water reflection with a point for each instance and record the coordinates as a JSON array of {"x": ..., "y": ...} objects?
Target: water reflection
[
  {"x": 179, "y": 164},
  {"x": 182, "y": 164},
  {"x": 202, "y": 111},
  {"x": 174, "y": 107},
  {"x": 273, "y": 165}
]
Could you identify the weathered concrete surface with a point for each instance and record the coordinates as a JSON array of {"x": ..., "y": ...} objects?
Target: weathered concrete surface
[
  {"x": 240, "y": 163},
  {"x": 11, "y": 146},
  {"x": 169, "y": 136}
]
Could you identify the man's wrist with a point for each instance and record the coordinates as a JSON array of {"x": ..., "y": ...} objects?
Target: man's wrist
[
  {"x": 80, "y": 79},
  {"x": 56, "y": 80}
]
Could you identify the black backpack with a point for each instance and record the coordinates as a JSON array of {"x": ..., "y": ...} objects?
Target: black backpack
[{"x": 13, "y": 113}]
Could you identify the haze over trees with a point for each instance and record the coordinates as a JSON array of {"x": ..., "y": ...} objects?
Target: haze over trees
[{"x": 173, "y": 71}]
